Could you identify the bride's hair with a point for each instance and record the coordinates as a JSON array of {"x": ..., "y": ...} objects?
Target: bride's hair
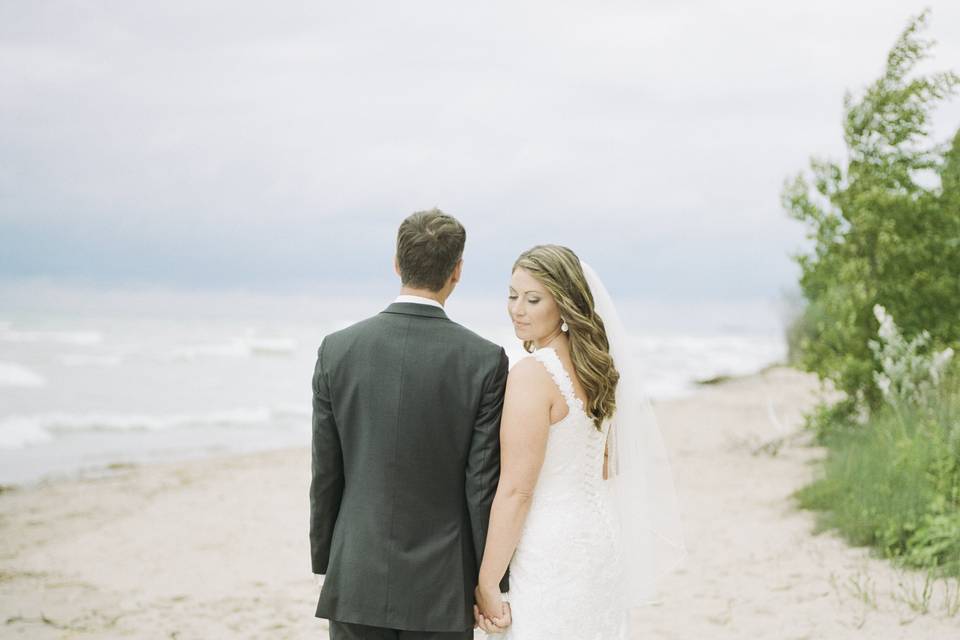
[{"x": 558, "y": 269}]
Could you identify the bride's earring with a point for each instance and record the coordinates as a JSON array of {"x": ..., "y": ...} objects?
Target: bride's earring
[{"x": 564, "y": 327}]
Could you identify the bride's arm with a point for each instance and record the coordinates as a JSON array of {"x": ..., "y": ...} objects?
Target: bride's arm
[{"x": 524, "y": 426}]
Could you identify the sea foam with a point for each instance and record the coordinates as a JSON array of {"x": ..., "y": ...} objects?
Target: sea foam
[
  {"x": 13, "y": 374},
  {"x": 243, "y": 347},
  {"x": 20, "y": 431},
  {"x": 80, "y": 338}
]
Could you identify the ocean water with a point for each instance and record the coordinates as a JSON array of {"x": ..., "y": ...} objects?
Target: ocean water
[{"x": 91, "y": 379}]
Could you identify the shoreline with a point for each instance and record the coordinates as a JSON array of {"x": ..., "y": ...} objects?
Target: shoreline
[
  {"x": 120, "y": 466},
  {"x": 217, "y": 546}
]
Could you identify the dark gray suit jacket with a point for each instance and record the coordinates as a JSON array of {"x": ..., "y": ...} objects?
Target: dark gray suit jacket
[{"x": 405, "y": 462}]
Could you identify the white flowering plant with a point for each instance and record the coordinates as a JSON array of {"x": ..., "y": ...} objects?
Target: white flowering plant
[{"x": 907, "y": 374}]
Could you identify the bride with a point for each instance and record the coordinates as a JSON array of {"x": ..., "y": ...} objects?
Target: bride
[{"x": 585, "y": 514}]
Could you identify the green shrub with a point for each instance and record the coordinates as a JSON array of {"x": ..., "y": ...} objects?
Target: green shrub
[
  {"x": 885, "y": 227},
  {"x": 894, "y": 482}
]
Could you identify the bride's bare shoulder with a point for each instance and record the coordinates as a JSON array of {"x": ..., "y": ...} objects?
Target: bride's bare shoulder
[
  {"x": 529, "y": 396},
  {"x": 529, "y": 376}
]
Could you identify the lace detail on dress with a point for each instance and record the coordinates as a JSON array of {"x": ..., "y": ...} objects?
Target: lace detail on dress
[
  {"x": 565, "y": 572},
  {"x": 549, "y": 358}
]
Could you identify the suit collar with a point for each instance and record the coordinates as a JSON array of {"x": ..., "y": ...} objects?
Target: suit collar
[{"x": 416, "y": 309}]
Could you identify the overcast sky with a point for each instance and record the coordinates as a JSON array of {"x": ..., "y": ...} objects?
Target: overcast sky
[{"x": 277, "y": 145}]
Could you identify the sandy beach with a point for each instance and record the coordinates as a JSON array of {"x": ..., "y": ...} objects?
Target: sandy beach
[{"x": 217, "y": 548}]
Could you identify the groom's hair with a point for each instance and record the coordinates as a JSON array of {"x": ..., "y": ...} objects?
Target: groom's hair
[{"x": 429, "y": 244}]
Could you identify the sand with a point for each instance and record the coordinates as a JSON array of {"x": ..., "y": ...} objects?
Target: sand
[{"x": 217, "y": 548}]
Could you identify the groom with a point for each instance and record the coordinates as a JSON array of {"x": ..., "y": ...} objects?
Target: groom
[{"x": 406, "y": 456}]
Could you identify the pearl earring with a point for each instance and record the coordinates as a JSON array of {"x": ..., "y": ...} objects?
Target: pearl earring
[{"x": 564, "y": 327}]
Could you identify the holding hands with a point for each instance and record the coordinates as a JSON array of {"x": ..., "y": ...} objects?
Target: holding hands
[{"x": 490, "y": 612}]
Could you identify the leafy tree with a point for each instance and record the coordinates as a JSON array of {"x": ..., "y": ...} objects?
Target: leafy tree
[{"x": 885, "y": 226}]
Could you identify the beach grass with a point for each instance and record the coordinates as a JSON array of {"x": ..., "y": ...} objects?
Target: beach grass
[{"x": 894, "y": 483}]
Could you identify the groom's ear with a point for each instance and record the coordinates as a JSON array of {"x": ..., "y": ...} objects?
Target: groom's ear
[
  {"x": 457, "y": 269},
  {"x": 396, "y": 265}
]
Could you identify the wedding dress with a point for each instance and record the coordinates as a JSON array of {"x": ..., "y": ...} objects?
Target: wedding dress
[
  {"x": 593, "y": 549},
  {"x": 566, "y": 573}
]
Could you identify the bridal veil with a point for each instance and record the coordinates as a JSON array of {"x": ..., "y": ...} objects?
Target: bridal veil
[{"x": 641, "y": 482}]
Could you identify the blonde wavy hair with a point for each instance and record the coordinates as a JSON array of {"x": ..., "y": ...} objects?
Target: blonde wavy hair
[{"x": 558, "y": 269}]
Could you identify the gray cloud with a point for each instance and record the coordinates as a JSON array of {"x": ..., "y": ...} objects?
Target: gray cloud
[{"x": 227, "y": 143}]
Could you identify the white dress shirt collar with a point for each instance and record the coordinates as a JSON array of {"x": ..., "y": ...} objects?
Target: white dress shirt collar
[{"x": 417, "y": 300}]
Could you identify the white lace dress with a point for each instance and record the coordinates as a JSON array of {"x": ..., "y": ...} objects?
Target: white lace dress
[{"x": 565, "y": 573}]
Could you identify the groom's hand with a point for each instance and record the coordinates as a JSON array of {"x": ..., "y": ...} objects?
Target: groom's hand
[
  {"x": 490, "y": 613},
  {"x": 485, "y": 623}
]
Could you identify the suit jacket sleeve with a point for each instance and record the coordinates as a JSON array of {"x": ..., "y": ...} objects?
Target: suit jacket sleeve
[
  {"x": 483, "y": 460},
  {"x": 326, "y": 484}
]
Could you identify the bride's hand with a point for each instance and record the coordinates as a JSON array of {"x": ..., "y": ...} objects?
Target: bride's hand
[
  {"x": 491, "y": 613},
  {"x": 482, "y": 622}
]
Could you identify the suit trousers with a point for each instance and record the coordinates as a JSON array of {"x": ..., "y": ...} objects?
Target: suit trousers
[{"x": 353, "y": 631}]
